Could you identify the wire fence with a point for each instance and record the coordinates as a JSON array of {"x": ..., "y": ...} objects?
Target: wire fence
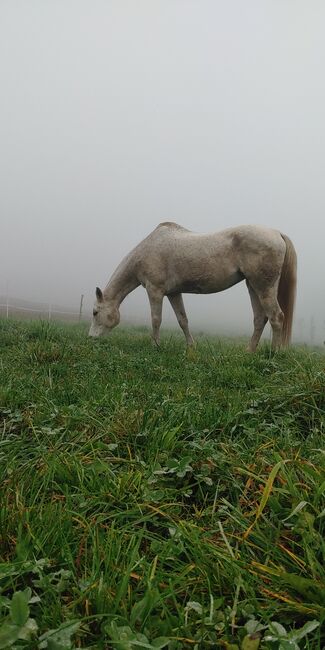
[
  {"x": 307, "y": 331},
  {"x": 11, "y": 308}
]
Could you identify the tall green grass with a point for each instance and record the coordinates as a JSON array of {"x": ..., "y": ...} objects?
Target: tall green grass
[{"x": 159, "y": 498}]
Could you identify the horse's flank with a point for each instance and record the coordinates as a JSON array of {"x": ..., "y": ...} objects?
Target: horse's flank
[{"x": 173, "y": 260}]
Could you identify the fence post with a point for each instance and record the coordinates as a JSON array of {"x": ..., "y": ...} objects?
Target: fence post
[
  {"x": 80, "y": 308},
  {"x": 301, "y": 325},
  {"x": 312, "y": 330},
  {"x": 7, "y": 299},
  {"x": 50, "y": 311}
]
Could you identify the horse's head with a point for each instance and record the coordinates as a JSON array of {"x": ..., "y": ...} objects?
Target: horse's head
[{"x": 105, "y": 315}]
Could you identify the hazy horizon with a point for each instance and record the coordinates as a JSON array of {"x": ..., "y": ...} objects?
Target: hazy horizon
[{"x": 115, "y": 116}]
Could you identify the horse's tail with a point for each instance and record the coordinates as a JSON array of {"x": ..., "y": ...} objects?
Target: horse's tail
[{"x": 287, "y": 288}]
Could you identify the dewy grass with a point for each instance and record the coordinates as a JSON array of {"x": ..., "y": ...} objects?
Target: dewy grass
[{"x": 159, "y": 498}]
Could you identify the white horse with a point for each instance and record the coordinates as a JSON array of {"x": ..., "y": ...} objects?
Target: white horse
[{"x": 173, "y": 260}]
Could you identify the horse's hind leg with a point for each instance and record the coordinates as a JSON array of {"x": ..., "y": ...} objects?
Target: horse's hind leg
[
  {"x": 260, "y": 319},
  {"x": 156, "y": 299},
  {"x": 269, "y": 301},
  {"x": 177, "y": 304}
]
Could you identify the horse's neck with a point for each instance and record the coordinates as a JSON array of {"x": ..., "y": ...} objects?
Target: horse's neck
[{"x": 122, "y": 282}]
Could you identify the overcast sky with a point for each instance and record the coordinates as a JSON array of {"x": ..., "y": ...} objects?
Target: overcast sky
[{"x": 116, "y": 115}]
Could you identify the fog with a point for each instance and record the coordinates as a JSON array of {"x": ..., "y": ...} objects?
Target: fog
[{"x": 116, "y": 115}]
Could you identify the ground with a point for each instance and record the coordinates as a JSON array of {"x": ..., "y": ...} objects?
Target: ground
[{"x": 159, "y": 498}]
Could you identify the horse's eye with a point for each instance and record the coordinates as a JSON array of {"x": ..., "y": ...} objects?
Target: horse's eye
[{"x": 95, "y": 312}]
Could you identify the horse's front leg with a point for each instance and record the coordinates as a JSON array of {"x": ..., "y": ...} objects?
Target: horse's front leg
[
  {"x": 156, "y": 299},
  {"x": 177, "y": 304}
]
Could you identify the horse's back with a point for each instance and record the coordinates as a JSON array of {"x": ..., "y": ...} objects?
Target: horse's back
[
  {"x": 246, "y": 239},
  {"x": 245, "y": 233},
  {"x": 169, "y": 239}
]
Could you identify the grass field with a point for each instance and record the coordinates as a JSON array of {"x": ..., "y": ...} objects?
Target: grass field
[{"x": 158, "y": 498}]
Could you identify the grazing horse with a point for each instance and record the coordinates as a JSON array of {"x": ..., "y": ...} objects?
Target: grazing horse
[{"x": 173, "y": 260}]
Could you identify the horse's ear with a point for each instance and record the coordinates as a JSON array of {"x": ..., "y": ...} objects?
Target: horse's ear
[{"x": 99, "y": 294}]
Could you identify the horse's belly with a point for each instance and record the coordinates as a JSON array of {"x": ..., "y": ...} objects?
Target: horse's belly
[{"x": 208, "y": 285}]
